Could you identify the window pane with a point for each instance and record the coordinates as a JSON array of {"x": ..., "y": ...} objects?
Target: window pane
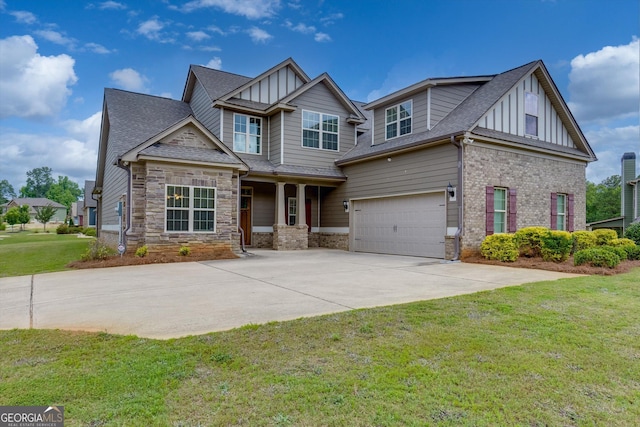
[
  {"x": 177, "y": 220},
  {"x": 405, "y": 109},
  {"x": 531, "y": 103},
  {"x": 499, "y": 223},
  {"x": 531, "y": 125},
  {"x": 500, "y": 200},
  {"x": 330, "y": 123},
  {"x": 240, "y": 142},
  {"x": 330, "y": 141},
  {"x": 392, "y": 114},
  {"x": 203, "y": 221},
  {"x": 311, "y": 138},
  {"x": 405, "y": 126},
  {"x": 240, "y": 123},
  {"x": 392, "y": 130},
  {"x": 254, "y": 126},
  {"x": 310, "y": 120},
  {"x": 254, "y": 144}
]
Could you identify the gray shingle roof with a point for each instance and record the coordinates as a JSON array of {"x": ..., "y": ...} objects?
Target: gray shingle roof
[
  {"x": 216, "y": 82},
  {"x": 460, "y": 120},
  {"x": 261, "y": 166},
  {"x": 36, "y": 202},
  {"x": 135, "y": 117},
  {"x": 172, "y": 151}
]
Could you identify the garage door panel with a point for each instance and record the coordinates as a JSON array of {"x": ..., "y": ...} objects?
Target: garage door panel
[{"x": 407, "y": 225}]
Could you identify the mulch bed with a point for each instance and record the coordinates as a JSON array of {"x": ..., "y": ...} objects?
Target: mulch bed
[{"x": 131, "y": 259}]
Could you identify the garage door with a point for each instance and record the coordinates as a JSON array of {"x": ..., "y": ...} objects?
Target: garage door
[{"x": 407, "y": 225}]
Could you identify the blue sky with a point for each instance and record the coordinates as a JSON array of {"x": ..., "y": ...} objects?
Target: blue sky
[{"x": 56, "y": 58}]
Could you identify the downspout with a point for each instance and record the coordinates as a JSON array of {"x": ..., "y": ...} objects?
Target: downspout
[
  {"x": 460, "y": 201},
  {"x": 127, "y": 168},
  {"x": 240, "y": 177}
]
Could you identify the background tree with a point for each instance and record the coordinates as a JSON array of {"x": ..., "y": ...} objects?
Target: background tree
[
  {"x": 6, "y": 192},
  {"x": 12, "y": 216},
  {"x": 603, "y": 200},
  {"x": 24, "y": 216},
  {"x": 38, "y": 182},
  {"x": 44, "y": 214},
  {"x": 64, "y": 192}
]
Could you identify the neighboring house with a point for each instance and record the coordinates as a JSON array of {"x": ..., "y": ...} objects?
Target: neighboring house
[
  {"x": 77, "y": 212},
  {"x": 288, "y": 162},
  {"x": 90, "y": 204},
  {"x": 629, "y": 198},
  {"x": 40, "y": 202}
]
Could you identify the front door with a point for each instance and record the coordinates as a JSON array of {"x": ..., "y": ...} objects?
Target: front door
[{"x": 245, "y": 214}]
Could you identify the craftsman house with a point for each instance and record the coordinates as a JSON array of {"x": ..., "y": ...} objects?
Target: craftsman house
[{"x": 285, "y": 161}]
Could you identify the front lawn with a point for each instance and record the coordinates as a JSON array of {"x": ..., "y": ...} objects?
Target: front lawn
[
  {"x": 565, "y": 352},
  {"x": 26, "y": 252}
]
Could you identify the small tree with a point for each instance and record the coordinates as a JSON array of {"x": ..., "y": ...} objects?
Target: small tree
[
  {"x": 24, "y": 215},
  {"x": 12, "y": 216},
  {"x": 44, "y": 214}
]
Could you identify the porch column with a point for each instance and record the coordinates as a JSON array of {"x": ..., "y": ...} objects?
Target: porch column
[
  {"x": 280, "y": 206},
  {"x": 301, "y": 214}
]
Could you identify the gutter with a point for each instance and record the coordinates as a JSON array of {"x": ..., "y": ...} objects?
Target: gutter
[
  {"x": 458, "y": 145},
  {"x": 127, "y": 168}
]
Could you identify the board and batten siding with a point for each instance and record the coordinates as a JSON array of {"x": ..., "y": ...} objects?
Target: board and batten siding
[
  {"x": 273, "y": 87},
  {"x": 318, "y": 99},
  {"x": 201, "y": 105},
  {"x": 445, "y": 98},
  {"x": 508, "y": 115},
  {"x": 426, "y": 170}
]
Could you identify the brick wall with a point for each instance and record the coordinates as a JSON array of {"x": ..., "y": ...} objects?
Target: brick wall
[
  {"x": 290, "y": 237},
  {"x": 534, "y": 177}
]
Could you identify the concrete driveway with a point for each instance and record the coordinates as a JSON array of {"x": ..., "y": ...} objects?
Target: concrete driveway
[{"x": 174, "y": 300}]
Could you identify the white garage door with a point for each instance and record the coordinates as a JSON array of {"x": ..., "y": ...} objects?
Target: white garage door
[{"x": 406, "y": 225}]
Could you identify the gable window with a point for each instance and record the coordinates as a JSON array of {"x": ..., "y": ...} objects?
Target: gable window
[
  {"x": 531, "y": 114},
  {"x": 190, "y": 209},
  {"x": 562, "y": 212},
  {"x": 292, "y": 203},
  {"x": 398, "y": 119},
  {"x": 319, "y": 130},
  {"x": 501, "y": 210},
  {"x": 247, "y": 133}
]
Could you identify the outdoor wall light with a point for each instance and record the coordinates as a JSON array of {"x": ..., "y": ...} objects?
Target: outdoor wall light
[
  {"x": 451, "y": 191},
  {"x": 345, "y": 204}
]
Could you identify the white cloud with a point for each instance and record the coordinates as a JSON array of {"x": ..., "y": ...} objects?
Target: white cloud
[
  {"x": 56, "y": 37},
  {"x": 331, "y": 19},
  {"x": 300, "y": 28},
  {"x": 152, "y": 29},
  {"x": 198, "y": 35},
  {"x": 609, "y": 145},
  {"x": 322, "y": 37},
  {"x": 215, "y": 63},
  {"x": 32, "y": 85},
  {"x": 129, "y": 79},
  {"x": 24, "y": 17},
  {"x": 258, "y": 35},
  {"x": 252, "y": 9},
  {"x": 73, "y": 155},
  {"x": 97, "y": 48},
  {"x": 111, "y": 5},
  {"x": 604, "y": 85}
]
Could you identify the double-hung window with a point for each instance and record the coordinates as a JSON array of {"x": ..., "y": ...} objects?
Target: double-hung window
[
  {"x": 190, "y": 209},
  {"x": 561, "y": 212},
  {"x": 398, "y": 119},
  {"x": 247, "y": 133},
  {"x": 530, "y": 114},
  {"x": 500, "y": 210},
  {"x": 292, "y": 204},
  {"x": 320, "y": 130}
]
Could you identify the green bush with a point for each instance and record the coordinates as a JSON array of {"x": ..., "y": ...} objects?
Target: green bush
[
  {"x": 62, "y": 229},
  {"x": 184, "y": 251},
  {"x": 633, "y": 232},
  {"x": 3, "y": 226},
  {"x": 604, "y": 236},
  {"x": 141, "y": 252},
  {"x": 622, "y": 242},
  {"x": 501, "y": 247},
  {"x": 583, "y": 240},
  {"x": 528, "y": 240},
  {"x": 618, "y": 250},
  {"x": 556, "y": 245},
  {"x": 596, "y": 257},
  {"x": 89, "y": 231},
  {"x": 633, "y": 252},
  {"x": 98, "y": 250}
]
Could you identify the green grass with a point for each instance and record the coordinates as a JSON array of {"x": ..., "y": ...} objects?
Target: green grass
[
  {"x": 554, "y": 353},
  {"x": 26, "y": 252}
]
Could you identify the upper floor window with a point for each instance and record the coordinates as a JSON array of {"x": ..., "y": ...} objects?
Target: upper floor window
[
  {"x": 247, "y": 133},
  {"x": 190, "y": 209},
  {"x": 319, "y": 130},
  {"x": 531, "y": 114},
  {"x": 398, "y": 119}
]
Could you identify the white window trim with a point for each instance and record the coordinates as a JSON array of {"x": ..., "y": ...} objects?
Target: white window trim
[
  {"x": 191, "y": 209},
  {"x": 302, "y": 129},
  {"x": 504, "y": 212},
  {"x": 536, "y": 115},
  {"x": 397, "y": 121},
  {"x": 247, "y": 134},
  {"x": 292, "y": 202},
  {"x": 562, "y": 214}
]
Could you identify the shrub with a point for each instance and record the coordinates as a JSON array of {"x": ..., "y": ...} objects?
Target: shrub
[
  {"x": 596, "y": 257},
  {"x": 556, "y": 245},
  {"x": 604, "y": 236},
  {"x": 98, "y": 250},
  {"x": 184, "y": 251},
  {"x": 618, "y": 250},
  {"x": 622, "y": 242},
  {"x": 3, "y": 226},
  {"x": 633, "y": 252},
  {"x": 501, "y": 247},
  {"x": 583, "y": 240},
  {"x": 141, "y": 252},
  {"x": 89, "y": 231},
  {"x": 528, "y": 240},
  {"x": 62, "y": 229},
  {"x": 633, "y": 232}
]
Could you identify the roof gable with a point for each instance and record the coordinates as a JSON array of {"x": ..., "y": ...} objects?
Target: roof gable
[{"x": 216, "y": 83}]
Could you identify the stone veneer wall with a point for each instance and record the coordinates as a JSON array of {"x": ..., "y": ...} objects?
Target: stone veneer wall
[
  {"x": 533, "y": 176},
  {"x": 262, "y": 240},
  {"x": 148, "y": 208},
  {"x": 334, "y": 241},
  {"x": 290, "y": 237}
]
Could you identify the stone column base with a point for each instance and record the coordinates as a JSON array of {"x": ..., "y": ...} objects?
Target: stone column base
[{"x": 290, "y": 238}]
